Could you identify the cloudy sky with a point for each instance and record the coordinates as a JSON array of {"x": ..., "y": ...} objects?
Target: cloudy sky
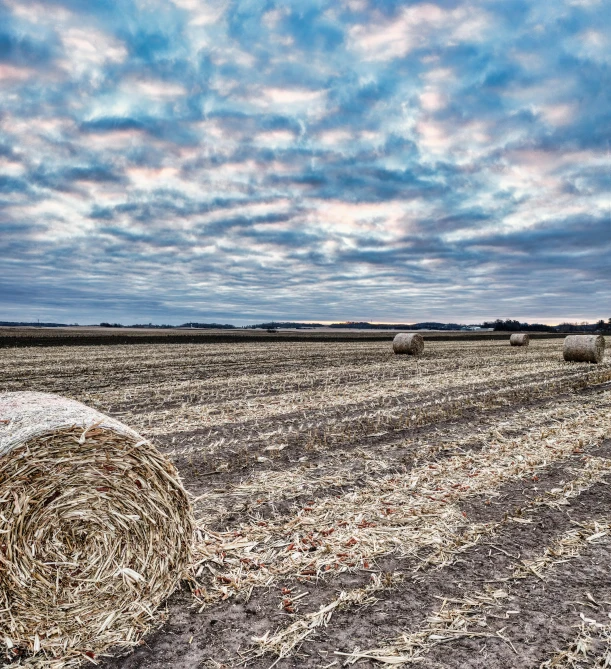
[{"x": 241, "y": 160}]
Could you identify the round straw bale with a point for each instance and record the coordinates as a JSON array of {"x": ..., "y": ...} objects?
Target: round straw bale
[
  {"x": 411, "y": 343},
  {"x": 519, "y": 339},
  {"x": 95, "y": 529},
  {"x": 584, "y": 348}
]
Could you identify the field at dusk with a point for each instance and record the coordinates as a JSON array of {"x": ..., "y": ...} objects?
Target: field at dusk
[
  {"x": 353, "y": 506},
  {"x": 303, "y": 307}
]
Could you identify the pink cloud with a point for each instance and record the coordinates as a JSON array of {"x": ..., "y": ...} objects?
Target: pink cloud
[
  {"x": 415, "y": 27},
  {"x": 10, "y": 73}
]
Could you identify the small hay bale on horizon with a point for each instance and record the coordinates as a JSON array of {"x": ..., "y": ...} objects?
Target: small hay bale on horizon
[
  {"x": 410, "y": 343},
  {"x": 584, "y": 348},
  {"x": 519, "y": 339},
  {"x": 96, "y": 528}
]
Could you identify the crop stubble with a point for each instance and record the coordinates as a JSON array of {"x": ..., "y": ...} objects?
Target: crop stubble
[{"x": 342, "y": 472}]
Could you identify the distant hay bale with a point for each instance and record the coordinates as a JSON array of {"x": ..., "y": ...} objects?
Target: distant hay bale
[
  {"x": 584, "y": 348},
  {"x": 519, "y": 339},
  {"x": 411, "y": 343},
  {"x": 95, "y": 529}
]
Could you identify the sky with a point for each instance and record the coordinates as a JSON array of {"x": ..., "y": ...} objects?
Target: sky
[{"x": 247, "y": 160}]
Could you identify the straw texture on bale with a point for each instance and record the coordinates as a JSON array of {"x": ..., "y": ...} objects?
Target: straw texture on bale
[
  {"x": 519, "y": 339},
  {"x": 584, "y": 348},
  {"x": 411, "y": 343},
  {"x": 95, "y": 530}
]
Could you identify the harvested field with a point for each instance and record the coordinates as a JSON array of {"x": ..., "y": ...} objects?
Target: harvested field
[
  {"x": 357, "y": 508},
  {"x": 11, "y": 337}
]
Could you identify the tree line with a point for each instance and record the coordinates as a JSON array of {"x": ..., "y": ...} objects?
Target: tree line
[{"x": 509, "y": 325}]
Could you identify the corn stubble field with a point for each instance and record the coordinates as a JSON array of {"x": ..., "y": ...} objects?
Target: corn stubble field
[{"x": 360, "y": 508}]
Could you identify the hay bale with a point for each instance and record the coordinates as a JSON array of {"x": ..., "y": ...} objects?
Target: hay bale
[
  {"x": 584, "y": 348},
  {"x": 95, "y": 529},
  {"x": 411, "y": 343},
  {"x": 519, "y": 339}
]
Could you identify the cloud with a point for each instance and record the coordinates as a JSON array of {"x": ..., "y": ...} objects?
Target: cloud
[
  {"x": 23, "y": 50},
  {"x": 11, "y": 184},
  {"x": 178, "y": 160}
]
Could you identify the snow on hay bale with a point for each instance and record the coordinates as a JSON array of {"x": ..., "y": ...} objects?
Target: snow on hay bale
[
  {"x": 584, "y": 348},
  {"x": 95, "y": 529},
  {"x": 519, "y": 339},
  {"x": 411, "y": 343}
]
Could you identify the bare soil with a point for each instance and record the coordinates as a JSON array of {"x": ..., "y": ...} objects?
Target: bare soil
[
  {"x": 550, "y": 609},
  {"x": 227, "y": 462}
]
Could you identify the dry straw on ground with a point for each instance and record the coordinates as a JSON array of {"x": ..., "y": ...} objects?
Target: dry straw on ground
[
  {"x": 584, "y": 348},
  {"x": 519, "y": 339},
  {"x": 411, "y": 343},
  {"x": 402, "y": 514},
  {"x": 591, "y": 647},
  {"x": 95, "y": 528},
  {"x": 467, "y": 618}
]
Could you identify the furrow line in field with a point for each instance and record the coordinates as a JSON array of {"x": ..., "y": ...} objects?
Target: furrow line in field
[
  {"x": 340, "y": 430},
  {"x": 286, "y": 640},
  {"x": 466, "y": 617},
  {"x": 247, "y": 369},
  {"x": 268, "y": 487},
  {"x": 349, "y": 401},
  {"x": 150, "y": 362},
  {"x": 386, "y": 376},
  {"x": 398, "y": 514}
]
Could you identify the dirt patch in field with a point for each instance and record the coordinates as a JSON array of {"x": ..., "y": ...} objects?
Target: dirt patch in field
[
  {"x": 549, "y": 616},
  {"x": 491, "y": 563},
  {"x": 222, "y": 632},
  {"x": 514, "y": 497}
]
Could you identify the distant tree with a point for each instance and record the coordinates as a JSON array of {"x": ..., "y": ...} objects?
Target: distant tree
[
  {"x": 507, "y": 325},
  {"x": 514, "y": 326}
]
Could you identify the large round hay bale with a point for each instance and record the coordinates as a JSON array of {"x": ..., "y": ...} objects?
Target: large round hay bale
[
  {"x": 411, "y": 343},
  {"x": 584, "y": 348},
  {"x": 519, "y": 339},
  {"x": 95, "y": 529}
]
